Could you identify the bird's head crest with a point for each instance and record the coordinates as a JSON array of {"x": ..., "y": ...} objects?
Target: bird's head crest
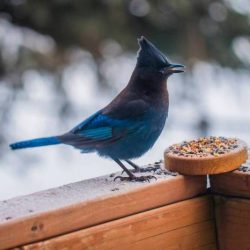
[{"x": 150, "y": 56}]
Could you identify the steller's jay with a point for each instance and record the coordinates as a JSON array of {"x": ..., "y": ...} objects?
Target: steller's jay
[{"x": 128, "y": 126}]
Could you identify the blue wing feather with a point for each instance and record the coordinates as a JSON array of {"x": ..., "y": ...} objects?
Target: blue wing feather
[
  {"x": 96, "y": 127},
  {"x": 85, "y": 123},
  {"x": 97, "y": 133},
  {"x": 99, "y": 130}
]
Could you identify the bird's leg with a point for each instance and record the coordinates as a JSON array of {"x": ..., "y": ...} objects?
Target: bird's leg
[
  {"x": 131, "y": 176},
  {"x": 136, "y": 167},
  {"x": 142, "y": 170},
  {"x": 124, "y": 168}
]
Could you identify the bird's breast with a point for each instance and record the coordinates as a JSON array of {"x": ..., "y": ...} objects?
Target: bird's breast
[{"x": 153, "y": 123}]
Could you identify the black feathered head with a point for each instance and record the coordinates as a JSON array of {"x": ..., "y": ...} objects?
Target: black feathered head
[{"x": 150, "y": 56}]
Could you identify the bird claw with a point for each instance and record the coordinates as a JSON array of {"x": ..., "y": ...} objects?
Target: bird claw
[{"x": 135, "y": 178}]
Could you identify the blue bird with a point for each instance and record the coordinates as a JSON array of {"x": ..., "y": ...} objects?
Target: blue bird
[{"x": 130, "y": 124}]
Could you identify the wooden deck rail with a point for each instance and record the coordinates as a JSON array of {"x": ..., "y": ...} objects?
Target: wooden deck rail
[
  {"x": 91, "y": 202},
  {"x": 173, "y": 212}
]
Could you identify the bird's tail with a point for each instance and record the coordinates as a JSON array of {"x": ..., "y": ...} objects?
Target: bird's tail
[{"x": 35, "y": 143}]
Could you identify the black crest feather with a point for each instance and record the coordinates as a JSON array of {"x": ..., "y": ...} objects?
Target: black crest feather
[{"x": 149, "y": 55}]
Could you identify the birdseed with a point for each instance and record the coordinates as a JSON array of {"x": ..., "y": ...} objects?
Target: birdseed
[{"x": 204, "y": 146}]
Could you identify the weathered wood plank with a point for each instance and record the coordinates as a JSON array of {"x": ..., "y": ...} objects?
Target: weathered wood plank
[
  {"x": 183, "y": 225},
  {"x": 80, "y": 205},
  {"x": 207, "y": 247},
  {"x": 233, "y": 223},
  {"x": 236, "y": 183},
  {"x": 187, "y": 238}
]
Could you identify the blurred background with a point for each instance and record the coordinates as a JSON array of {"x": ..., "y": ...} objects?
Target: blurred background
[{"x": 61, "y": 60}]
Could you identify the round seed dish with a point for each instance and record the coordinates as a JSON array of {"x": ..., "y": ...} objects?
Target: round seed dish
[{"x": 206, "y": 155}]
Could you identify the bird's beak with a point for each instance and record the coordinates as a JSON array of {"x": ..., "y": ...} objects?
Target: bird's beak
[{"x": 175, "y": 68}]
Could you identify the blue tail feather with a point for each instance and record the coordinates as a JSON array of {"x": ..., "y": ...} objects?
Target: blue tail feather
[{"x": 35, "y": 143}]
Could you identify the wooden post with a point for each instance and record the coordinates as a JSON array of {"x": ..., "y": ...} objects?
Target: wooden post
[
  {"x": 233, "y": 223},
  {"x": 232, "y": 208}
]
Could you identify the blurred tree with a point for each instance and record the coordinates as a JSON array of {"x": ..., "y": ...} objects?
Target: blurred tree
[{"x": 196, "y": 30}]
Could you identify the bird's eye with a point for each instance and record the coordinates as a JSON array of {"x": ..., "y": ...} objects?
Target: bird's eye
[{"x": 161, "y": 71}]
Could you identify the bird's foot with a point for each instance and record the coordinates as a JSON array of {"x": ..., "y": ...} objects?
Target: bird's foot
[
  {"x": 134, "y": 178},
  {"x": 151, "y": 168}
]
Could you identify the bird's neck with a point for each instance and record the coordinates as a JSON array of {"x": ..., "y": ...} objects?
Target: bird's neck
[{"x": 140, "y": 83}]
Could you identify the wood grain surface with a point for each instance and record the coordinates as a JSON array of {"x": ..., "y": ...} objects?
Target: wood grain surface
[
  {"x": 236, "y": 183},
  {"x": 184, "y": 225},
  {"x": 233, "y": 223},
  {"x": 80, "y": 205}
]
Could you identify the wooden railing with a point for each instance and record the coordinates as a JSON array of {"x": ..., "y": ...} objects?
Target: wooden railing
[{"x": 174, "y": 212}]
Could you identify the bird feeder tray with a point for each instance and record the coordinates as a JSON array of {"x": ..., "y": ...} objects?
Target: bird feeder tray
[{"x": 207, "y": 155}]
